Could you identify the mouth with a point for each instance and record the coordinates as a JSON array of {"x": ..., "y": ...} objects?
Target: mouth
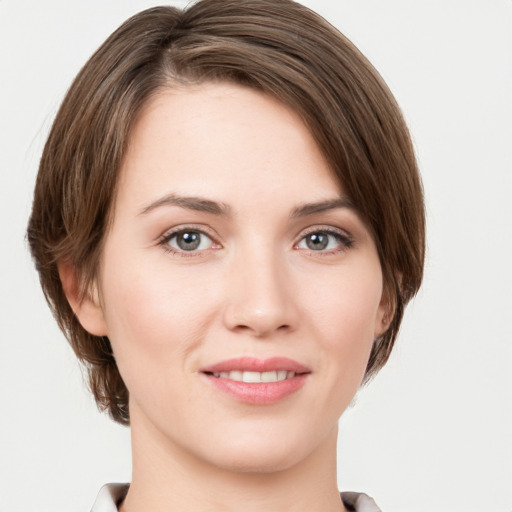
[
  {"x": 255, "y": 377},
  {"x": 257, "y": 381}
]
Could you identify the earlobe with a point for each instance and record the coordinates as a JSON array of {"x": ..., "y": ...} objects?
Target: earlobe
[
  {"x": 384, "y": 316},
  {"x": 88, "y": 308}
]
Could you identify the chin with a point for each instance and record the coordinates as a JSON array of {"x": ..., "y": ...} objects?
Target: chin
[
  {"x": 258, "y": 463},
  {"x": 269, "y": 452}
]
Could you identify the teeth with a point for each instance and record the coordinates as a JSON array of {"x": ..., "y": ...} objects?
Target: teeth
[
  {"x": 255, "y": 377},
  {"x": 251, "y": 377},
  {"x": 235, "y": 375},
  {"x": 269, "y": 377}
]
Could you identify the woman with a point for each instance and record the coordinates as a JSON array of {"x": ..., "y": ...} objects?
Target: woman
[{"x": 228, "y": 223}]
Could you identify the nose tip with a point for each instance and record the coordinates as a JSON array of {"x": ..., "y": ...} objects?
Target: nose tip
[
  {"x": 260, "y": 301},
  {"x": 256, "y": 321}
]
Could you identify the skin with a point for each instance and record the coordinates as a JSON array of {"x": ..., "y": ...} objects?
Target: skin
[{"x": 254, "y": 287}]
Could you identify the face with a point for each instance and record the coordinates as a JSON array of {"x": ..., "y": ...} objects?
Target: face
[{"x": 238, "y": 286}]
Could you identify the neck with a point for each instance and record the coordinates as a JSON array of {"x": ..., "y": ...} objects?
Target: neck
[{"x": 166, "y": 477}]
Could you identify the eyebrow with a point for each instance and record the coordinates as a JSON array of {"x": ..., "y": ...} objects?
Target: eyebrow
[
  {"x": 322, "y": 206},
  {"x": 199, "y": 204}
]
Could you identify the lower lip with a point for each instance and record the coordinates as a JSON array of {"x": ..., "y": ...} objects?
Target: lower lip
[{"x": 258, "y": 393}]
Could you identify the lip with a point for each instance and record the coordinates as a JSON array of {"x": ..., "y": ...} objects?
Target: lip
[{"x": 260, "y": 393}]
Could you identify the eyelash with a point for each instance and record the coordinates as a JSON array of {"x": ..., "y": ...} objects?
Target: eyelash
[{"x": 345, "y": 240}]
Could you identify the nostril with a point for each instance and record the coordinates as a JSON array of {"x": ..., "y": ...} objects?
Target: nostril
[{"x": 260, "y": 312}]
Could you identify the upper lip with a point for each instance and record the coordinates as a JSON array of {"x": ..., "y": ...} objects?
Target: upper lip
[{"x": 253, "y": 364}]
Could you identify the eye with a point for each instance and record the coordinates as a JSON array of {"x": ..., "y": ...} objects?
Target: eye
[
  {"x": 324, "y": 241},
  {"x": 187, "y": 240}
]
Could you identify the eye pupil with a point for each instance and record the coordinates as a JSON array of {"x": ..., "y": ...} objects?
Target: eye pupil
[
  {"x": 188, "y": 241},
  {"x": 317, "y": 241}
]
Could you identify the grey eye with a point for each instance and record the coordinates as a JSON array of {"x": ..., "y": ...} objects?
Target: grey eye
[
  {"x": 190, "y": 241},
  {"x": 322, "y": 241},
  {"x": 317, "y": 241}
]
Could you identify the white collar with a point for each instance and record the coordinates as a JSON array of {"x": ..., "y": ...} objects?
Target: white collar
[{"x": 109, "y": 497}]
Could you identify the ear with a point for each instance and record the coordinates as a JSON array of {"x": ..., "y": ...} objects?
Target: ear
[
  {"x": 385, "y": 314},
  {"x": 88, "y": 308}
]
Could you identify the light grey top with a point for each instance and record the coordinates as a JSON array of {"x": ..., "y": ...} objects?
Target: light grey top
[{"x": 111, "y": 495}]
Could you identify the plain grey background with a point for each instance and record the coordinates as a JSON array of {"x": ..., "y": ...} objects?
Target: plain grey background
[{"x": 433, "y": 430}]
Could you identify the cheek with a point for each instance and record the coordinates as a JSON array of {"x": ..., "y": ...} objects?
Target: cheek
[
  {"x": 344, "y": 314},
  {"x": 156, "y": 323},
  {"x": 155, "y": 316}
]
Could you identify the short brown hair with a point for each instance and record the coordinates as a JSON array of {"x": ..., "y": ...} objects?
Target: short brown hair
[{"x": 276, "y": 46}]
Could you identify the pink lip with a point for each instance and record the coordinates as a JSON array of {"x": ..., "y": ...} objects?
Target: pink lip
[{"x": 260, "y": 393}]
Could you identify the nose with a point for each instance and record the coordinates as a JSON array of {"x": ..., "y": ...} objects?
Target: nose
[{"x": 259, "y": 296}]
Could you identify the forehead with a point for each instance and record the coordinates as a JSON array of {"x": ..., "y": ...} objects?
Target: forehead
[{"x": 222, "y": 141}]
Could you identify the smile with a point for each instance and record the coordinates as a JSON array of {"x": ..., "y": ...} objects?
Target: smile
[
  {"x": 257, "y": 381},
  {"x": 256, "y": 377}
]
